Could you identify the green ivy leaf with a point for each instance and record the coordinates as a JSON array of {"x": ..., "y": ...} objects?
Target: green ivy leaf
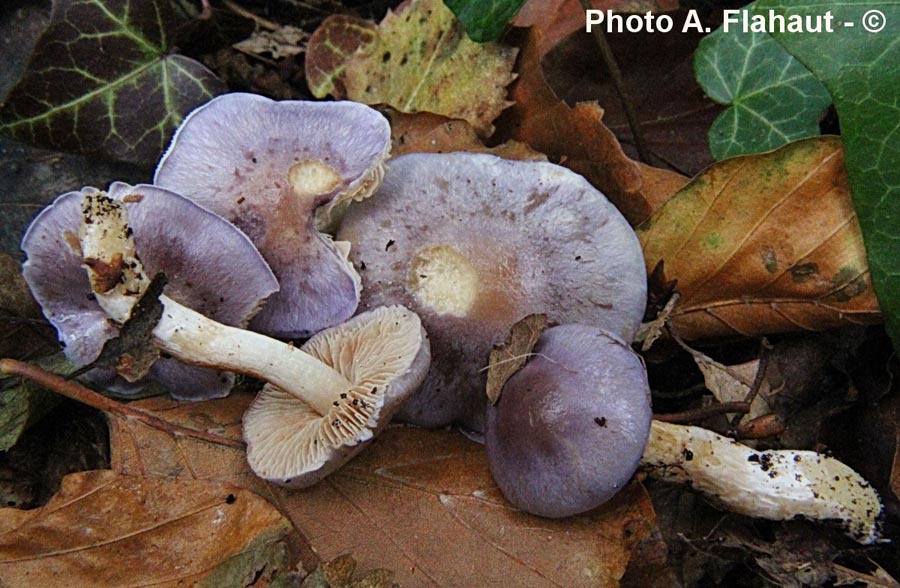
[
  {"x": 774, "y": 99},
  {"x": 861, "y": 69},
  {"x": 101, "y": 82},
  {"x": 484, "y": 20}
]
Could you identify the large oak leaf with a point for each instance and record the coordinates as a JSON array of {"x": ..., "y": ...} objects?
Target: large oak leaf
[{"x": 421, "y": 503}]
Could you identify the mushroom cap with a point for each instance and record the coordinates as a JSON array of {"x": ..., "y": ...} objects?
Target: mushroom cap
[
  {"x": 474, "y": 243},
  {"x": 384, "y": 353},
  {"x": 570, "y": 427},
  {"x": 172, "y": 235},
  {"x": 267, "y": 167}
]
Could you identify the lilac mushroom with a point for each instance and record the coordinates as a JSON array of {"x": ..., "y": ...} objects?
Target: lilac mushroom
[
  {"x": 322, "y": 403},
  {"x": 210, "y": 265},
  {"x": 270, "y": 167},
  {"x": 474, "y": 243},
  {"x": 569, "y": 428},
  {"x": 572, "y": 426}
]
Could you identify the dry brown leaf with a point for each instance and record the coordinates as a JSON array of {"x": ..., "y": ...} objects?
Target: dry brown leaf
[
  {"x": 418, "y": 59},
  {"x": 733, "y": 383},
  {"x": 879, "y": 578},
  {"x": 424, "y": 132},
  {"x": 577, "y": 138},
  {"x": 105, "y": 529},
  {"x": 763, "y": 244},
  {"x": 285, "y": 41},
  {"x": 506, "y": 358},
  {"x": 420, "y": 503},
  {"x": 139, "y": 450},
  {"x": 558, "y": 19}
]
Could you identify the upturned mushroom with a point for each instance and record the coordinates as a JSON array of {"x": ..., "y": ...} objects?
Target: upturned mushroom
[
  {"x": 382, "y": 354},
  {"x": 176, "y": 237},
  {"x": 322, "y": 403},
  {"x": 569, "y": 428},
  {"x": 473, "y": 243},
  {"x": 270, "y": 167}
]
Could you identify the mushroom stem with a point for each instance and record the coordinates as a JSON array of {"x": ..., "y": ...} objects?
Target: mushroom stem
[
  {"x": 107, "y": 250},
  {"x": 196, "y": 339},
  {"x": 188, "y": 335},
  {"x": 775, "y": 485}
]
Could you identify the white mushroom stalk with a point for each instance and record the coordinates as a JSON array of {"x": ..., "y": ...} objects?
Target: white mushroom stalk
[
  {"x": 775, "y": 485},
  {"x": 107, "y": 249},
  {"x": 322, "y": 404},
  {"x": 193, "y": 338},
  {"x": 118, "y": 281}
]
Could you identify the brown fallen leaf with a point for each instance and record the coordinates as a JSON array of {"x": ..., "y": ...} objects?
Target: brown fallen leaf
[
  {"x": 506, "y": 358},
  {"x": 424, "y": 132},
  {"x": 419, "y": 503},
  {"x": 764, "y": 244},
  {"x": 418, "y": 59},
  {"x": 558, "y": 19},
  {"x": 104, "y": 529},
  {"x": 285, "y": 41},
  {"x": 577, "y": 138}
]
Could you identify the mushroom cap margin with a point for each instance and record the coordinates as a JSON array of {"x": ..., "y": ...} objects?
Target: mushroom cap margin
[{"x": 234, "y": 154}]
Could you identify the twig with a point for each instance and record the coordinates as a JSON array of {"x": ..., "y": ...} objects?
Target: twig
[
  {"x": 699, "y": 414},
  {"x": 761, "y": 367},
  {"x": 243, "y": 12},
  {"x": 75, "y": 391},
  {"x": 619, "y": 82}
]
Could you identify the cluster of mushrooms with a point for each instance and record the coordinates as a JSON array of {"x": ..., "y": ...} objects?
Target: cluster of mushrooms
[{"x": 459, "y": 246}]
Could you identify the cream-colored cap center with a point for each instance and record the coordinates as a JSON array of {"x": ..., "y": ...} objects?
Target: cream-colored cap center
[
  {"x": 313, "y": 178},
  {"x": 444, "y": 280}
]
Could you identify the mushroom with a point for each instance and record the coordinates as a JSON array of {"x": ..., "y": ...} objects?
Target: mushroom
[
  {"x": 473, "y": 243},
  {"x": 175, "y": 236},
  {"x": 384, "y": 356},
  {"x": 269, "y": 167},
  {"x": 569, "y": 428},
  {"x": 322, "y": 404}
]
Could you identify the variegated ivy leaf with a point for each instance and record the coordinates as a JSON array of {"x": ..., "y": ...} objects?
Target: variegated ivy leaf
[{"x": 102, "y": 82}]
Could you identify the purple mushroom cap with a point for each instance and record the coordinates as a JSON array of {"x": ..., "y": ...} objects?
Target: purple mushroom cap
[
  {"x": 211, "y": 266},
  {"x": 268, "y": 167},
  {"x": 570, "y": 427},
  {"x": 473, "y": 243}
]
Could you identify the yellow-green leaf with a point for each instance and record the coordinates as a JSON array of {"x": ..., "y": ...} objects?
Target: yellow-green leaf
[
  {"x": 764, "y": 243},
  {"x": 418, "y": 59}
]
